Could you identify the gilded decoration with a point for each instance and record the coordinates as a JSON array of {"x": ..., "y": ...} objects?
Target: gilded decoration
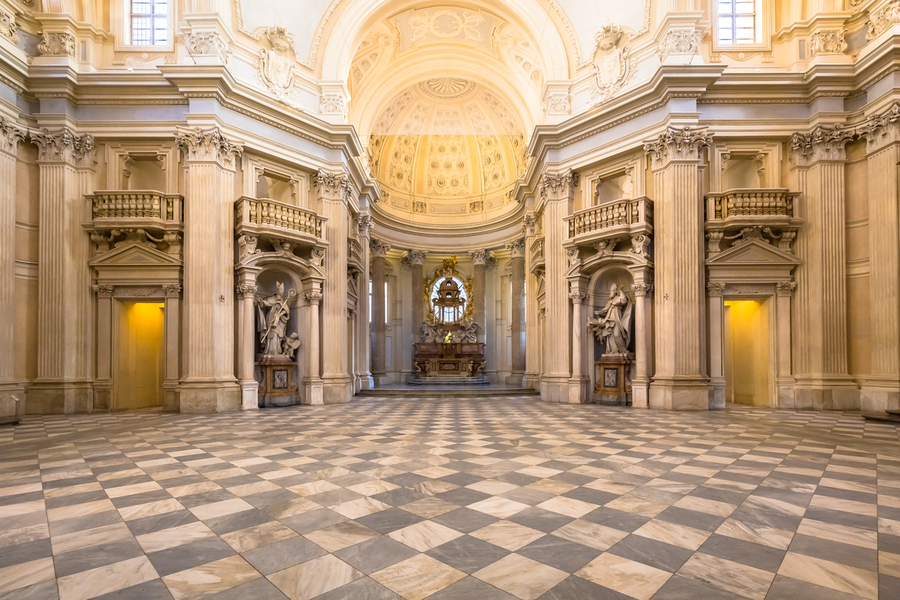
[{"x": 447, "y": 269}]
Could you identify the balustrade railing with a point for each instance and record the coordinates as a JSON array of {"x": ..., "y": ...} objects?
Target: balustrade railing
[
  {"x": 272, "y": 213},
  {"x": 750, "y": 203},
  {"x": 135, "y": 205},
  {"x": 627, "y": 212}
]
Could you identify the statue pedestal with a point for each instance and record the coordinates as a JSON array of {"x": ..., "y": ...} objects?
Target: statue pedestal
[
  {"x": 277, "y": 387},
  {"x": 613, "y": 375}
]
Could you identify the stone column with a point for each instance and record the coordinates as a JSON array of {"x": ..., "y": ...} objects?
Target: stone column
[
  {"x": 247, "y": 341},
  {"x": 517, "y": 310},
  {"x": 714, "y": 290},
  {"x": 334, "y": 192},
  {"x": 313, "y": 392},
  {"x": 417, "y": 277},
  {"x": 364, "y": 227},
  {"x": 65, "y": 332},
  {"x": 558, "y": 192},
  {"x": 881, "y": 389},
  {"x": 784, "y": 380},
  {"x": 680, "y": 382},
  {"x": 378, "y": 249},
  {"x": 479, "y": 292},
  {"x": 12, "y": 392},
  {"x": 103, "y": 378},
  {"x": 532, "y": 359},
  {"x": 643, "y": 344},
  {"x": 172, "y": 318},
  {"x": 579, "y": 383},
  {"x": 820, "y": 307},
  {"x": 209, "y": 384}
]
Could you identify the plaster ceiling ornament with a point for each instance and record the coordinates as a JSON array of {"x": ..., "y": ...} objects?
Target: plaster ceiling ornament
[
  {"x": 827, "y": 41},
  {"x": 557, "y": 104},
  {"x": 611, "y": 63},
  {"x": 8, "y": 26},
  {"x": 207, "y": 43},
  {"x": 332, "y": 104},
  {"x": 60, "y": 43},
  {"x": 883, "y": 19},
  {"x": 680, "y": 41},
  {"x": 277, "y": 68},
  {"x": 446, "y": 23},
  {"x": 448, "y": 88}
]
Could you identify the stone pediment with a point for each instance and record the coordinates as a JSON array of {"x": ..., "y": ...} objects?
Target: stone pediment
[
  {"x": 135, "y": 255},
  {"x": 752, "y": 253}
]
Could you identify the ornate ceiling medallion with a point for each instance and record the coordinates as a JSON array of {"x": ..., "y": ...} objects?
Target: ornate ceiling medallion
[{"x": 447, "y": 88}]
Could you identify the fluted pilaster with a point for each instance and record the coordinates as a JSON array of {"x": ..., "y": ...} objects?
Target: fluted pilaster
[
  {"x": 378, "y": 249},
  {"x": 517, "y": 309},
  {"x": 364, "y": 225},
  {"x": 417, "y": 276},
  {"x": 532, "y": 359}
]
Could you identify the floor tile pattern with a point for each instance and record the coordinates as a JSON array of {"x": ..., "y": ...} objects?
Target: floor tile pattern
[{"x": 451, "y": 499}]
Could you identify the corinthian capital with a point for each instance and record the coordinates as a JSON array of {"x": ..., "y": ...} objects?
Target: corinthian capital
[
  {"x": 417, "y": 257},
  {"x": 10, "y": 135},
  {"x": 560, "y": 186},
  {"x": 207, "y": 146},
  {"x": 378, "y": 248},
  {"x": 881, "y": 129},
  {"x": 364, "y": 225},
  {"x": 64, "y": 146},
  {"x": 677, "y": 144},
  {"x": 333, "y": 186},
  {"x": 820, "y": 144},
  {"x": 516, "y": 248}
]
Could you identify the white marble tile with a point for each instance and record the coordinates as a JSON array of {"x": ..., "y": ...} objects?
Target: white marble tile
[{"x": 106, "y": 579}]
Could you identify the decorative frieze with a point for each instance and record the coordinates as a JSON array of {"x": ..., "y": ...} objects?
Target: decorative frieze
[
  {"x": 827, "y": 41},
  {"x": 560, "y": 186},
  {"x": 10, "y": 136},
  {"x": 820, "y": 144},
  {"x": 64, "y": 146},
  {"x": 680, "y": 41},
  {"x": 378, "y": 248},
  {"x": 207, "y": 43},
  {"x": 8, "y": 26},
  {"x": 104, "y": 290},
  {"x": 677, "y": 144},
  {"x": 883, "y": 19},
  {"x": 211, "y": 145},
  {"x": 333, "y": 186},
  {"x": 57, "y": 43}
]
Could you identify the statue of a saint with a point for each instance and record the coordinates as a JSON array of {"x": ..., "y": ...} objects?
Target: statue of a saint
[
  {"x": 469, "y": 331},
  {"x": 273, "y": 322},
  {"x": 612, "y": 325},
  {"x": 290, "y": 345}
]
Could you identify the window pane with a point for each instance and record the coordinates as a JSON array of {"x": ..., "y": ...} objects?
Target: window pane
[
  {"x": 141, "y": 7},
  {"x": 160, "y": 8},
  {"x": 745, "y": 8}
]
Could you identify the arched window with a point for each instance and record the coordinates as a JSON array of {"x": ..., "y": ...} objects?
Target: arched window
[
  {"x": 445, "y": 310},
  {"x": 149, "y": 22}
]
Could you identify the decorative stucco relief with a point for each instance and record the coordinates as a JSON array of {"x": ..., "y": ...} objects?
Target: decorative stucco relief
[
  {"x": 277, "y": 67},
  {"x": 611, "y": 63},
  {"x": 57, "y": 44}
]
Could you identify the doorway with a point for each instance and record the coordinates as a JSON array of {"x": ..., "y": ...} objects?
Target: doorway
[
  {"x": 749, "y": 377},
  {"x": 140, "y": 356}
]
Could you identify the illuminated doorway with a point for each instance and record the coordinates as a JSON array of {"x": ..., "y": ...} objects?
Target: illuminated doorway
[
  {"x": 749, "y": 376},
  {"x": 140, "y": 356}
]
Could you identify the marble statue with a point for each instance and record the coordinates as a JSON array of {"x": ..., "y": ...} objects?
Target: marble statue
[
  {"x": 469, "y": 331},
  {"x": 612, "y": 324},
  {"x": 289, "y": 345},
  {"x": 273, "y": 317},
  {"x": 431, "y": 334}
]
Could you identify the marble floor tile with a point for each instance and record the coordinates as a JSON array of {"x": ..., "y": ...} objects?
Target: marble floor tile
[
  {"x": 506, "y": 574},
  {"x": 220, "y": 509},
  {"x": 499, "y": 507},
  {"x": 672, "y": 533},
  {"x": 312, "y": 578},
  {"x": 425, "y": 535},
  {"x": 176, "y": 536},
  {"x": 375, "y": 554},
  {"x": 212, "y": 577},
  {"x": 739, "y": 579},
  {"x": 418, "y": 577},
  {"x": 105, "y": 579},
  {"x": 507, "y": 534},
  {"x": 340, "y": 535},
  {"x": 758, "y": 534},
  {"x": 830, "y": 574},
  {"x": 25, "y": 574},
  {"x": 243, "y": 540},
  {"x": 625, "y": 576}
]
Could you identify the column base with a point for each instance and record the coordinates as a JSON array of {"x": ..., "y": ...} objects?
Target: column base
[
  {"x": 555, "y": 389},
  {"x": 337, "y": 390},
  {"x": 12, "y": 402},
  {"x": 717, "y": 395},
  {"x": 784, "y": 388},
  {"x": 102, "y": 394},
  {"x": 879, "y": 394},
  {"x": 579, "y": 390},
  {"x": 171, "y": 396},
  {"x": 60, "y": 398},
  {"x": 249, "y": 395},
  {"x": 312, "y": 392},
  {"x": 531, "y": 380},
  {"x": 640, "y": 393},
  {"x": 364, "y": 381},
  {"x": 687, "y": 394},
  {"x": 514, "y": 379},
  {"x": 826, "y": 394},
  {"x": 209, "y": 397}
]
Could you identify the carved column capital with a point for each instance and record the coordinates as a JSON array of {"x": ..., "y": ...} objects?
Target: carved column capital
[
  {"x": 364, "y": 225},
  {"x": 312, "y": 298},
  {"x": 677, "y": 144},
  {"x": 715, "y": 288},
  {"x": 578, "y": 297},
  {"x": 479, "y": 257},
  {"x": 881, "y": 129},
  {"x": 642, "y": 289},
  {"x": 103, "y": 290},
  {"x": 559, "y": 186},
  {"x": 335, "y": 187},
  {"x": 246, "y": 289},
  {"x": 64, "y": 146},
  {"x": 785, "y": 288},
  {"x": 207, "y": 146},
  {"x": 417, "y": 257},
  {"x": 173, "y": 290},
  {"x": 378, "y": 248},
  {"x": 332, "y": 104},
  {"x": 529, "y": 223},
  {"x": 820, "y": 144},
  {"x": 685, "y": 40},
  {"x": 827, "y": 41},
  {"x": 207, "y": 43},
  {"x": 57, "y": 43},
  {"x": 516, "y": 248},
  {"x": 10, "y": 136}
]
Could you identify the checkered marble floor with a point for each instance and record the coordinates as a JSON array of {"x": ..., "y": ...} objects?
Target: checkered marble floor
[{"x": 450, "y": 499}]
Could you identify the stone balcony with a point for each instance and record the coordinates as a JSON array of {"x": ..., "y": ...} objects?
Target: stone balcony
[
  {"x": 144, "y": 216},
  {"x": 354, "y": 253},
  {"x": 278, "y": 222},
  {"x": 537, "y": 259},
  {"x": 742, "y": 214},
  {"x": 610, "y": 223}
]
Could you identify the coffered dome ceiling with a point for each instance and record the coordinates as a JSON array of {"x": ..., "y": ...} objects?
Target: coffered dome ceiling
[{"x": 446, "y": 147}]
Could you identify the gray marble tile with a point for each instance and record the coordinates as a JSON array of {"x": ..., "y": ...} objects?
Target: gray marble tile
[
  {"x": 463, "y": 496},
  {"x": 361, "y": 589},
  {"x": 235, "y": 521},
  {"x": 576, "y": 588},
  {"x": 560, "y": 554},
  {"x": 659, "y": 555},
  {"x": 87, "y": 522},
  {"x": 160, "y": 522},
  {"x": 390, "y": 520},
  {"x": 888, "y": 587},
  {"x": 100, "y": 555},
  {"x": 313, "y": 520},
  {"x": 188, "y": 556},
  {"x": 748, "y": 553},
  {"x": 841, "y": 517},
  {"x": 27, "y": 552},
  {"x": 332, "y": 498},
  {"x": 845, "y": 554},
  {"x": 149, "y": 590},
  {"x": 258, "y": 589},
  {"x": 691, "y": 518},
  {"x": 471, "y": 589},
  {"x": 540, "y": 519},
  {"x": 144, "y": 498},
  {"x": 281, "y": 555},
  {"x": 399, "y": 496},
  {"x": 787, "y": 588},
  {"x": 584, "y": 494},
  {"x": 205, "y": 498},
  {"x": 616, "y": 519},
  {"x": 467, "y": 554},
  {"x": 45, "y": 590},
  {"x": 375, "y": 554},
  {"x": 683, "y": 588},
  {"x": 465, "y": 520}
]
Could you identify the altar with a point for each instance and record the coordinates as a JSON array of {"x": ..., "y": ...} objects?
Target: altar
[{"x": 460, "y": 358}]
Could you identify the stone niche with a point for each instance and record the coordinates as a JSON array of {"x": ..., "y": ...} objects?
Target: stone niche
[{"x": 277, "y": 374}]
